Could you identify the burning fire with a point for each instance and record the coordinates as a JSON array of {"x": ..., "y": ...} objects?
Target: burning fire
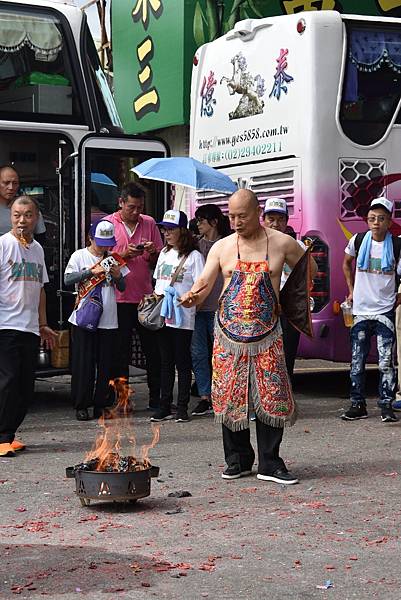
[{"x": 116, "y": 426}]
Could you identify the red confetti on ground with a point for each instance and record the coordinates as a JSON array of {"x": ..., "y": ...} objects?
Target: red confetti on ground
[
  {"x": 145, "y": 584},
  {"x": 330, "y": 568},
  {"x": 207, "y": 567},
  {"x": 353, "y": 558},
  {"x": 20, "y": 509},
  {"x": 316, "y": 504},
  {"x": 382, "y": 540}
]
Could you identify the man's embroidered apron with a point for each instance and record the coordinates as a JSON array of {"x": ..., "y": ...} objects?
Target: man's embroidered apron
[{"x": 248, "y": 358}]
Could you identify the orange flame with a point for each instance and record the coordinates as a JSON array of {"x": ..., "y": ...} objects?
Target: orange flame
[
  {"x": 144, "y": 451},
  {"x": 115, "y": 425}
]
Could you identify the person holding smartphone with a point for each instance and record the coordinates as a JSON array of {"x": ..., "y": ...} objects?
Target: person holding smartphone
[{"x": 138, "y": 243}]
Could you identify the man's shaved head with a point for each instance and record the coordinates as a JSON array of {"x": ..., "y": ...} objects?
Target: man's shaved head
[
  {"x": 244, "y": 213},
  {"x": 245, "y": 196}
]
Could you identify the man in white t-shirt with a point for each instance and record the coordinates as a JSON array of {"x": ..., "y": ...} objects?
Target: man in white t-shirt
[
  {"x": 373, "y": 293},
  {"x": 22, "y": 319}
]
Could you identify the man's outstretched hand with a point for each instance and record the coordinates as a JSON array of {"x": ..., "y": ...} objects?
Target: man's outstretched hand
[{"x": 190, "y": 299}]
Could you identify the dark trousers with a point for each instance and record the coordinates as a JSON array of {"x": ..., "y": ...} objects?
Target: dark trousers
[
  {"x": 91, "y": 367},
  {"x": 290, "y": 341},
  {"x": 175, "y": 353},
  {"x": 238, "y": 449},
  {"x": 127, "y": 321},
  {"x": 18, "y": 358}
]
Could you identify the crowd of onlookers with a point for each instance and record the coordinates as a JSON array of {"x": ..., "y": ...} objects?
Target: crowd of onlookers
[
  {"x": 129, "y": 256},
  {"x": 152, "y": 252},
  {"x": 184, "y": 344}
]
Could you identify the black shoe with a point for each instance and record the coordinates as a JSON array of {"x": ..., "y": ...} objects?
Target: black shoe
[
  {"x": 82, "y": 414},
  {"x": 279, "y": 476},
  {"x": 181, "y": 416},
  {"x": 388, "y": 415},
  {"x": 235, "y": 472},
  {"x": 355, "y": 411},
  {"x": 203, "y": 407},
  {"x": 161, "y": 415}
]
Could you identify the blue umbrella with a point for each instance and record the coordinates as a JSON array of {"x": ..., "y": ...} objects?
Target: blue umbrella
[
  {"x": 102, "y": 179},
  {"x": 186, "y": 171},
  {"x": 105, "y": 193}
]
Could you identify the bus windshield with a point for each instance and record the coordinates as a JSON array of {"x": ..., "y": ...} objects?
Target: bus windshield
[
  {"x": 36, "y": 74},
  {"x": 372, "y": 82},
  {"x": 107, "y": 109}
]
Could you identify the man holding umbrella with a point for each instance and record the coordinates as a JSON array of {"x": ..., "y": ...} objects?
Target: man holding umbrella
[{"x": 249, "y": 369}]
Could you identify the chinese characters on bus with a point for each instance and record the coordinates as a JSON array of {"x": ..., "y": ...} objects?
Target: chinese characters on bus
[
  {"x": 281, "y": 78},
  {"x": 207, "y": 91},
  {"x": 148, "y": 100}
]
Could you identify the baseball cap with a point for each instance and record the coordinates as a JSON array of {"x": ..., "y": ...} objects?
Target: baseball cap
[
  {"x": 174, "y": 218},
  {"x": 277, "y": 205},
  {"x": 104, "y": 234},
  {"x": 383, "y": 203}
]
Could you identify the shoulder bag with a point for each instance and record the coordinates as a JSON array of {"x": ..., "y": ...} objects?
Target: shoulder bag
[
  {"x": 150, "y": 306},
  {"x": 89, "y": 313}
]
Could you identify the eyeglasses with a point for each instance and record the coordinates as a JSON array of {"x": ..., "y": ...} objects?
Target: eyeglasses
[{"x": 379, "y": 218}]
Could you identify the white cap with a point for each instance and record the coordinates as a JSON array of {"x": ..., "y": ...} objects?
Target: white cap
[
  {"x": 384, "y": 203},
  {"x": 174, "y": 218},
  {"x": 104, "y": 234},
  {"x": 277, "y": 205}
]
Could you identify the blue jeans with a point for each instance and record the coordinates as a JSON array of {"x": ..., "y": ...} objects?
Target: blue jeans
[
  {"x": 201, "y": 341},
  {"x": 361, "y": 334}
]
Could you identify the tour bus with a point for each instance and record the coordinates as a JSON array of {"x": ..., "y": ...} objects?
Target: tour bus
[
  {"x": 306, "y": 107},
  {"x": 60, "y": 130}
]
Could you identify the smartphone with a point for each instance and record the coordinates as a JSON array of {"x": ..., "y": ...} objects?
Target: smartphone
[{"x": 140, "y": 247}]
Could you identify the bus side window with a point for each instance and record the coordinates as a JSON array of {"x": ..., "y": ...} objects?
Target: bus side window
[{"x": 372, "y": 82}]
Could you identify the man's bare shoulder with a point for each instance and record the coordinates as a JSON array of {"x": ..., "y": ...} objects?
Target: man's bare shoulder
[
  {"x": 280, "y": 240},
  {"x": 224, "y": 244}
]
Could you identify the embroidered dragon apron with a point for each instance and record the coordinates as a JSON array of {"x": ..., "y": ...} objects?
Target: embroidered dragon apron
[{"x": 248, "y": 359}]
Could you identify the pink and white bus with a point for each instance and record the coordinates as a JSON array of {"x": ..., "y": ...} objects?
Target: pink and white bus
[{"x": 306, "y": 107}]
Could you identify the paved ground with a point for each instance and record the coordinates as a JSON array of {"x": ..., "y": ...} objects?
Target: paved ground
[{"x": 243, "y": 539}]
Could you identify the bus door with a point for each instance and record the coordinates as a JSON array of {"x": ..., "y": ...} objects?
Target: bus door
[
  {"x": 36, "y": 156},
  {"x": 105, "y": 164}
]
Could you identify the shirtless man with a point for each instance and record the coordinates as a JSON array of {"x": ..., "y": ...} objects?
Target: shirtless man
[{"x": 249, "y": 369}]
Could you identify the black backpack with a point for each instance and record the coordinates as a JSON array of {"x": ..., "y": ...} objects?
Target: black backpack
[{"x": 396, "y": 250}]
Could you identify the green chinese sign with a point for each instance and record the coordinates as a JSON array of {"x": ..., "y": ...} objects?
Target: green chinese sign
[
  {"x": 153, "y": 48},
  {"x": 154, "y": 42}
]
